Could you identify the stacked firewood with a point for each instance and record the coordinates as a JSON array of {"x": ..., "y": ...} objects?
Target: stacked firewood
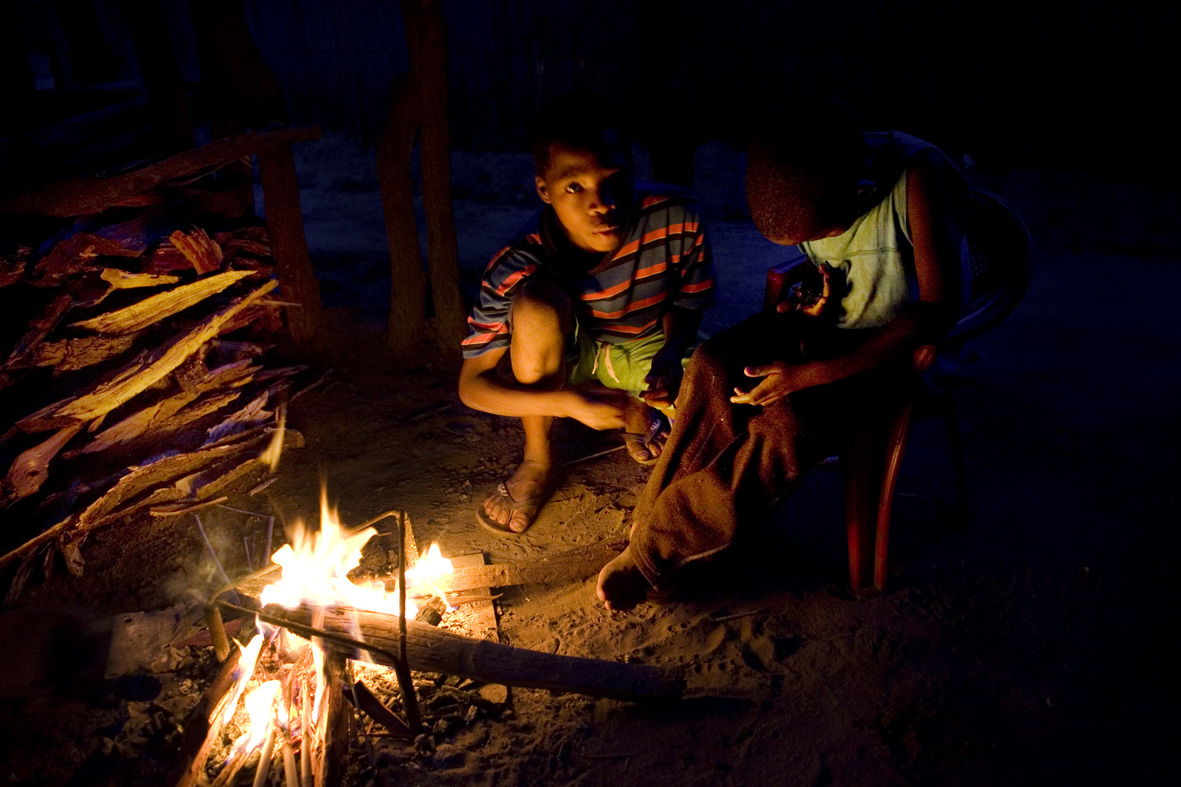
[{"x": 134, "y": 381}]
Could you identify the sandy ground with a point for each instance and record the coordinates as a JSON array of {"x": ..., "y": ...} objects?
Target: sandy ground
[{"x": 1030, "y": 646}]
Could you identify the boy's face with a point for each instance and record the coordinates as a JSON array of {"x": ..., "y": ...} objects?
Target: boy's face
[{"x": 591, "y": 194}]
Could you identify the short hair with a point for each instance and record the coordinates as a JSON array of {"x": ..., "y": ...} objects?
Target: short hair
[
  {"x": 803, "y": 167},
  {"x": 580, "y": 121}
]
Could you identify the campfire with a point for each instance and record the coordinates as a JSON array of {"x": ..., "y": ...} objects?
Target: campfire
[{"x": 327, "y": 636}]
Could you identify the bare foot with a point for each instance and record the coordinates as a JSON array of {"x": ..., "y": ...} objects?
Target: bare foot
[
  {"x": 529, "y": 482},
  {"x": 621, "y": 585}
]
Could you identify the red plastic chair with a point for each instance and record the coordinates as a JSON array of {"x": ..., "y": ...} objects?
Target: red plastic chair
[{"x": 1000, "y": 268}]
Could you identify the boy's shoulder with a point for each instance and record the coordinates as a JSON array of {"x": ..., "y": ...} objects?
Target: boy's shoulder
[
  {"x": 661, "y": 198},
  {"x": 890, "y": 153}
]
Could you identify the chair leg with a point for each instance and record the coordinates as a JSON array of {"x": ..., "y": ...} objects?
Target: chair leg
[
  {"x": 861, "y": 466},
  {"x": 894, "y": 451}
]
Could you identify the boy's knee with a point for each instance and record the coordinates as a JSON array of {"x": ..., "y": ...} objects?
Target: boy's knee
[{"x": 541, "y": 307}]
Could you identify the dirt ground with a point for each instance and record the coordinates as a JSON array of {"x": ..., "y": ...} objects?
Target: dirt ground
[{"x": 1028, "y": 647}]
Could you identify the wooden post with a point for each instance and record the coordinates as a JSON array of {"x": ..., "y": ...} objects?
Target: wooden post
[
  {"x": 289, "y": 244},
  {"x": 407, "y": 320},
  {"x": 436, "y": 181}
]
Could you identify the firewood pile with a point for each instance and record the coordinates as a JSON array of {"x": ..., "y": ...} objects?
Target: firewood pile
[{"x": 135, "y": 378}]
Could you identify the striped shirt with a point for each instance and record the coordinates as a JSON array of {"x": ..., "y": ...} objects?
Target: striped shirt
[{"x": 664, "y": 262}]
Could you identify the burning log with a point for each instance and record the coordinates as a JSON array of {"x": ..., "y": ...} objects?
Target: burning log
[
  {"x": 572, "y": 565},
  {"x": 336, "y": 721},
  {"x": 431, "y": 649},
  {"x": 151, "y": 310}
]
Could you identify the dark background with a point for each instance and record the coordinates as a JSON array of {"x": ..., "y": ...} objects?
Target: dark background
[{"x": 1030, "y": 84}]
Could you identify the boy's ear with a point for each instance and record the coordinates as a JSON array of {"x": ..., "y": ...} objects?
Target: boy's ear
[{"x": 541, "y": 189}]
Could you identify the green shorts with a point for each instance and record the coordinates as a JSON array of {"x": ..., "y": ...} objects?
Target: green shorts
[{"x": 623, "y": 366}]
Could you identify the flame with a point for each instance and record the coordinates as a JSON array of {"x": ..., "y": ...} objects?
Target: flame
[
  {"x": 430, "y": 567},
  {"x": 242, "y": 674},
  {"x": 316, "y": 565},
  {"x": 260, "y": 704}
]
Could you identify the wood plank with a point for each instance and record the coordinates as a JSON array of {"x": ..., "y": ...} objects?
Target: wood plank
[
  {"x": 89, "y": 195},
  {"x": 573, "y": 565}
]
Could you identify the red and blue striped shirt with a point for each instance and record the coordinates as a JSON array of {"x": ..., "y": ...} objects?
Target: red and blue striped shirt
[{"x": 664, "y": 262}]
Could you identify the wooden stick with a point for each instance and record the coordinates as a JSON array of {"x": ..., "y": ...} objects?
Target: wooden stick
[
  {"x": 402, "y": 668},
  {"x": 435, "y": 650},
  {"x": 368, "y": 702}
]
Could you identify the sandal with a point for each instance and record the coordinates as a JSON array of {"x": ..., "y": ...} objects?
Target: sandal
[
  {"x": 492, "y": 526},
  {"x": 655, "y": 427}
]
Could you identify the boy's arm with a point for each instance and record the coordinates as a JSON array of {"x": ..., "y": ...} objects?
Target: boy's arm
[
  {"x": 480, "y": 388},
  {"x": 692, "y": 295},
  {"x": 935, "y": 208}
]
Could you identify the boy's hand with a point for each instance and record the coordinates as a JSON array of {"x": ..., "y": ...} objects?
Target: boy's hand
[
  {"x": 664, "y": 379},
  {"x": 600, "y": 408},
  {"x": 779, "y": 379},
  {"x": 809, "y": 303}
]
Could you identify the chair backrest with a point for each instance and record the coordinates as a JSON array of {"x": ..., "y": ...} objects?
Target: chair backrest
[{"x": 1000, "y": 265}]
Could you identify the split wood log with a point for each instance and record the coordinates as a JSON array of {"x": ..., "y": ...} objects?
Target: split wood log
[
  {"x": 573, "y": 565},
  {"x": 119, "y": 279},
  {"x": 68, "y": 355},
  {"x": 31, "y": 468},
  {"x": 199, "y": 249},
  {"x": 335, "y": 723},
  {"x": 12, "y": 266},
  {"x": 203, "y": 724},
  {"x": 157, "y": 422},
  {"x": 39, "y": 328},
  {"x": 122, "y": 280},
  {"x": 27, "y": 549},
  {"x": 73, "y": 255},
  {"x": 157, "y": 307},
  {"x": 86, "y": 195},
  {"x": 431, "y": 649},
  {"x": 139, "y": 375},
  {"x": 289, "y": 244},
  {"x": 163, "y": 471}
]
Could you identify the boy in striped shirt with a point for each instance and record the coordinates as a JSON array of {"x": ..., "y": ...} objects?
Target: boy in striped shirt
[{"x": 589, "y": 312}]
